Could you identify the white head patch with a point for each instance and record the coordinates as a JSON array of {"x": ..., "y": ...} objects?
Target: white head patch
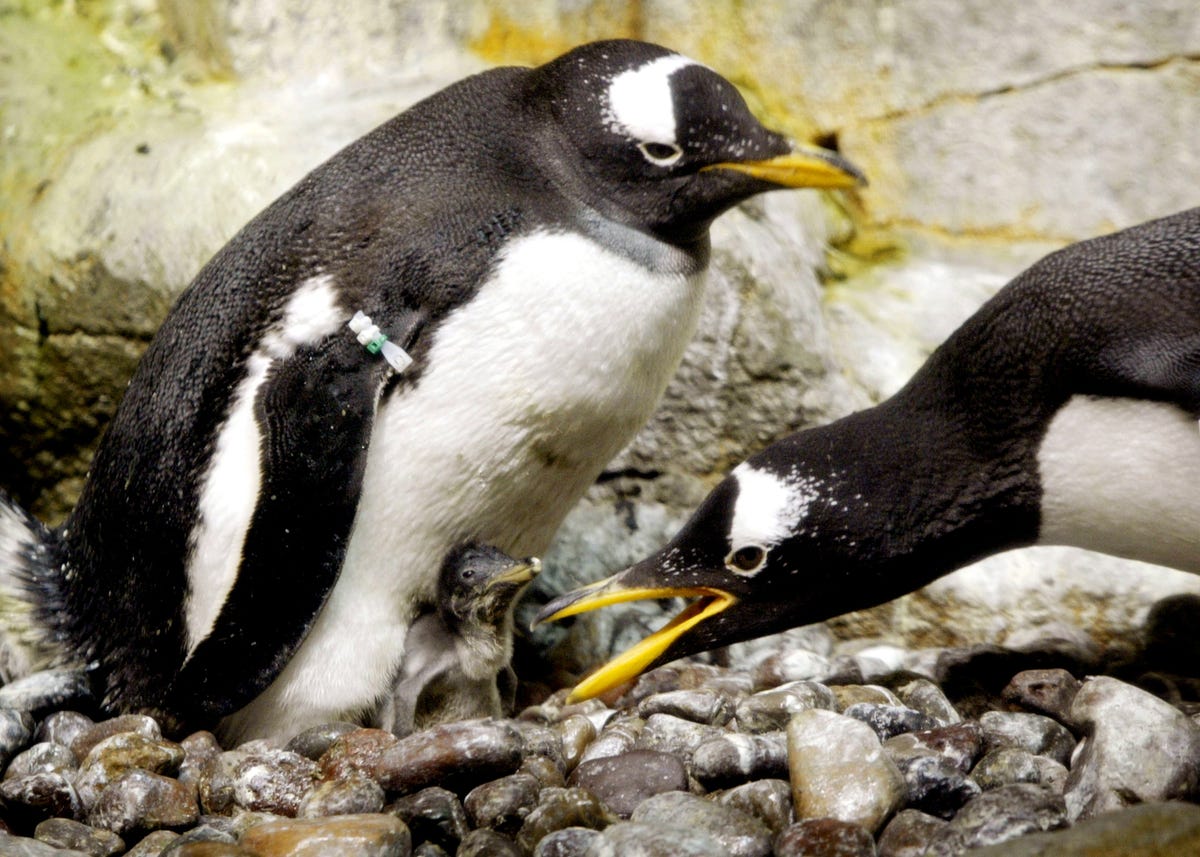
[
  {"x": 768, "y": 508},
  {"x": 640, "y": 104}
]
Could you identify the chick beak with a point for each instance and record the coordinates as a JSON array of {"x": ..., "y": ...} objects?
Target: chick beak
[
  {"x": 804, "y": 166},
  {"x": 518, "y": 574},
  {"x": 630, "y": 663}
]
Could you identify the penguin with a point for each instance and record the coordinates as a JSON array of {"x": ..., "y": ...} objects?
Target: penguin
[
  {"x": 1063, "y": 412},
  {"x": 269, "y": 506},
  {"x": 457, "y": 660}
]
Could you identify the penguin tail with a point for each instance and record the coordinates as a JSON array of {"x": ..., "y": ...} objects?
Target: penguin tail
[{"x": 29, "y": 593}]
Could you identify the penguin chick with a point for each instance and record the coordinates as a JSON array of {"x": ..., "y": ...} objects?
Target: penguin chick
[
  {"x": 456, "y": 664},
  {"x": 1063, "y": 412},
  {"x": 267, "y": 511}
]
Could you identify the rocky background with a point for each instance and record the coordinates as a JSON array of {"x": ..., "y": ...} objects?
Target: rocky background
[{"x": 138, "y": 135}]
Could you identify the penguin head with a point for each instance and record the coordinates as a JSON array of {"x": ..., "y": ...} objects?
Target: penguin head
[
  {"x": 661, "y": 142},
  {"x": 767, "y": 550},
  {"x": 479, "y": 584}
]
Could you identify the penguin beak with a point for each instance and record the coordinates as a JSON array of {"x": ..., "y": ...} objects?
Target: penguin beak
[
  {"x": 517, "y": 574},
  {"x": 632, "y": 662},
  {"x": 804, "y": 166}
]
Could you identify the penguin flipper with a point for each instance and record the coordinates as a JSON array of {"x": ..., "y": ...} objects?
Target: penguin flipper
[{"x": 315, "y": 412}]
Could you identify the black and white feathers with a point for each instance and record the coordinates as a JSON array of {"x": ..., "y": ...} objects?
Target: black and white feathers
[
  {"x": 1063, "y": 412},
  {"x": 271, "y": 502}
]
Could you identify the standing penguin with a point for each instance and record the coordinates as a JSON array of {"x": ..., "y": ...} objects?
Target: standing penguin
[
  {"x": 272, "y": 500},
  {"x": 1063, "y": 412},
  {"x": 457, "y": 656}
]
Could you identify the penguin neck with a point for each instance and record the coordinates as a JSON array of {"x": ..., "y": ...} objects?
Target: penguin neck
[{"x": 483, "y": 644}]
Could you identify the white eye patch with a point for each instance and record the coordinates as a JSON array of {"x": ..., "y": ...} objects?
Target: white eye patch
[
  {"x": 768, "y": 509},
  {"x": 640, "y": 105}
]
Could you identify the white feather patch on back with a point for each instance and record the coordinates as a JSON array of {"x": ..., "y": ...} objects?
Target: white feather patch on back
[
  {"x": 640, "y": 103},
  {"x": 1122, "y": 476},
  {"x": 768, "y": 508},
  {"x": 230, "y": 489}
]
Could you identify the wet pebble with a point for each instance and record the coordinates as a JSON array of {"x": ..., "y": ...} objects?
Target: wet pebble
[
  {"x": 1048, "y": 692},
  {"x": 560, "y": 808},
  {"x": 1005, "y": 766},
  {"x": 340, "y": 836},
  {"x": 889, "y": 721},
  {"x": 63, "y": 727},
  {"x": 738, "y": 833},
  {"x": 458, "y": 756},
  {"x": 43, "y": 758},
  {"x": 731, "y": 759},
  {"x": 39, "y": 796},
  {"x": 796, "y": 665},
  {"x": 357, "y": 751},
  {"x": 622, "y": 782},
  {"x": 999, "y": 816},
  {"x": 488, "y": 843},
  {"x": 568, "y": 842},
  {"x": 827, "y": 837},
  {"x": 839, "y": 770},
  {"x": 503, "y": 804},
  {"x": 909, "y": 834},
  {"x": 274, "y": 781},
  {"x": 770, "y": 710},
  {"x": 576, "y": 733},
  {"x": 637, "y": 839},
  {"x": 770, "y": 801},
  {"x": 670, "y": 734},
  {"x": 354, "y": 795},
  {"x": 136, "y": 724},
  {"x": 139, "y": 802},
  {"x": 616, "y": 738},
  {"x": 121, "y": 752},
  {"x": 23, "y": 846},
  {"x": 1138, "y": 749},
  {"x": 314, "y": 742},
  {"x": 1034, "y": 733},
  {"x": 699, "y": 706},
  {"x": 433, "y": 815},
  {"x": 926, "y": 697},
  {"x": 73, "y": 835},
  {"x": 153, "y": 844}
]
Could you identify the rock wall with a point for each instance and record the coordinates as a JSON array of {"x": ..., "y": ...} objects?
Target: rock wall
[{"x": 139, "y": 135}]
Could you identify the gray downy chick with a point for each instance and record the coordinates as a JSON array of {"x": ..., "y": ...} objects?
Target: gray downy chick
[{"x": 456, "y": 661}]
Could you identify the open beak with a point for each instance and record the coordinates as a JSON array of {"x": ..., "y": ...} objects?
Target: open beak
[
  {"x": 520, "y": 573},
  {"x": 633, "y": 661},
  {"x": 804, "y": 166}
]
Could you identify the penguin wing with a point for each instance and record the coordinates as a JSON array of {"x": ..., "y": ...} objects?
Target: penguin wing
[{"x": 314, "y": 410}]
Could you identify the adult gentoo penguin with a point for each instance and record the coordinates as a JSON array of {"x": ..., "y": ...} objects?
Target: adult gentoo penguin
[
  {"x": 273, "y": 498},
  {"x": 457, "y": 656},
  {"x": 1063, "y": 412}
]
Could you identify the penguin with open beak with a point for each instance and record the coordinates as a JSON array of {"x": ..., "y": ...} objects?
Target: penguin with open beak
[{"x": 1063, "y": 412}]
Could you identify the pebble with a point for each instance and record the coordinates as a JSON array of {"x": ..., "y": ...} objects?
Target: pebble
[
  {"x": 770, "y": 801},
  {"x": 42, "y": 758},
  {"x": 616, "y": 738},
  {"x": 568, "y": 842},
  {"x": 121, "y": 752},
  {"x": 458, "y": 756},
  {"x": 153, "y": 844},
  {"x": 888, "y": 721},
  {"x": 635, "y": 839},
  {"x": 1005, "y": 766},
  {"x": 1144, "y": 830},
  {"x": 39, "y": 796},
  {"x": 274, "y": 781},
  {"x": 731, "y": 759},
  {"x": 700, "y": 706},
  {"x": 354, "y": 795},
  {"x": 314, "y": 742},
  {"x": 997, "y": 816},
  {"x": 576, "y": 733},
  {"x": 343, "y": 836},
  {"x": 42, "y": 692},
  {"x": 770, "y": 710},
  {"x": 21, "y": 846},
  {"x": 73, "y": 835},
  {"x": 827, "y": 837},
  {"x": 624, "y": 781},
  {"x": 926, "y": 697},
  {"x": 488, "y": 843},
  {"x": 560, "y": 808},
  {"x": 839, "y": 770},
  {"x": 909, "y": 834},
  {"x": 796, "y": 665},
  {"x": 139, "y": 802},
  {"x": 358, "y": 751},
  {"x": 738, "y": 833},
  {"x": 1034, "y": 733},
  {"x": 433, "y": 815},
  {"x": 1048, "y": 692},
  {"x": 670, "y": 734},
  {"x": 89, "y": 737},
  {"x": 63, "y": 727},
  {"x": 503, "y": 804},
  {"x": 1138, "y": 749}
]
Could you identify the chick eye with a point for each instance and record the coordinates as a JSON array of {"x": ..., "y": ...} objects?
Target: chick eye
[
  {"x": 660, "y": 154},
  {"x": 746, "y": 559}
]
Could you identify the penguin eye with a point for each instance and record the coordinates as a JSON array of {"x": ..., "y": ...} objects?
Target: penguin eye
[
  {"x": 746, "y": 559},
  {"x": 660, "y": 154}
]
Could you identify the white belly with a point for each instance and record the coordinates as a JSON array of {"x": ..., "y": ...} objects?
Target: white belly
[
  {"x": 530, "y": 389},
  {"x": 1122, "y": 476}
]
